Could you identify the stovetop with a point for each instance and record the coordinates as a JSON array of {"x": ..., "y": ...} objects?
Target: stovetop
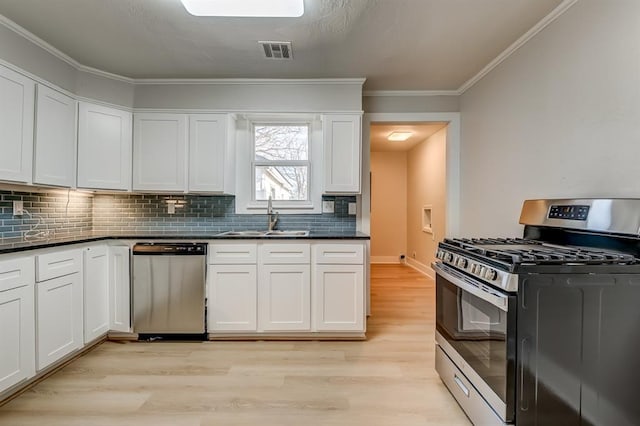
[{"x": 519, "y": 251}]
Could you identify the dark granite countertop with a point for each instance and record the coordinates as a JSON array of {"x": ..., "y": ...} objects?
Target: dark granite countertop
[{"x": 17, "y": 245}]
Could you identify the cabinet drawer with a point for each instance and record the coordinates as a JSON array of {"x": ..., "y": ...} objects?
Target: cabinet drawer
[
  {"x": 349, "y": 254},
  {"x": 16, "y": 273},
  {"x": 232, "y": 254},
  {"x": 285, "y": 253},
  {"x": 58, "y": 264}
]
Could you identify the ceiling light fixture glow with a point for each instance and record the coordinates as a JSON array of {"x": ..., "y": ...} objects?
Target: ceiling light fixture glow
[
  {"x": 246, "y": 8},
  {"x": 399, "y": 136}
]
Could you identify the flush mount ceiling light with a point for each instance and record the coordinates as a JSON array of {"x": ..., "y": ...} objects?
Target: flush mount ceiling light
[
  {"x": 246, "y": 8},
  {"x": 399, "y": 136}
]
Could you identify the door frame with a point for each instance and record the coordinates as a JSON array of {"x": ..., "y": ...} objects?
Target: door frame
[{"x": 452, "y": 227}]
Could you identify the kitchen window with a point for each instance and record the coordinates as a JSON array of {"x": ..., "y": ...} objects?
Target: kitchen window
[
  {"x": 281, "y": 162},
  {"x": 279, "y": 157}
]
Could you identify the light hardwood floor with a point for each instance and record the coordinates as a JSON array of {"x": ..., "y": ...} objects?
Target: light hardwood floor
[{"x": 387, "y": 380}]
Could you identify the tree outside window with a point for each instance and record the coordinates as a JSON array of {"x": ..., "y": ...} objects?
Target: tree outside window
[{"x": 281, "y": 162}]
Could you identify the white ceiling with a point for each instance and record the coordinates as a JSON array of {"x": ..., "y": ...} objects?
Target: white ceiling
[
  {"x": 395, "y": 44},
  {"x": 421, "y": 131}
]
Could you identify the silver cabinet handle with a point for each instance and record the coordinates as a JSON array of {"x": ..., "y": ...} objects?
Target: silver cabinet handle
[{"x": 461, "y": 385}]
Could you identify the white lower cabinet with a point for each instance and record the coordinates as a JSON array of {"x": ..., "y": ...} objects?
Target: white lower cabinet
[
  {"x": 284, "y": 296},
  {"x": 279, "y": 287},
  {"x": 96, "y": 292},
  {"x": 232, "y": 301},
  {"x": 59, "y": 318},
  {"x": 59, "y": 306},
  {"x": 119, "y": 289},
  {"x": 17, "y": 325},
  {"x": 339, "y": 297},
  {"x": 339, "y": 286}
]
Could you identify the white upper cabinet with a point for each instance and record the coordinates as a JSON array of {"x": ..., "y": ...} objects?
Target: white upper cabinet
[
  {"x": 104, "y": 147},
  {"x": 17, "y": 95},
  {"x": 55, "y": 140},
  {"x": 159, "y": 152},
  {"x": 210, "y": 150},
  {"x": 342, "y": 152}
]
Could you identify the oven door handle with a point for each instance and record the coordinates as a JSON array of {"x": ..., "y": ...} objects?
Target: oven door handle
[{"x": 497, "y": 299}]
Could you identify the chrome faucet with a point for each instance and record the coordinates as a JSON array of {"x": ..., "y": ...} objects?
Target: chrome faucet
[{"x": 272, "y": 217}]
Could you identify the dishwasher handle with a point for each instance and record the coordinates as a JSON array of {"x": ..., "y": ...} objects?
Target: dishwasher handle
[{"x": 170, "y": 249}]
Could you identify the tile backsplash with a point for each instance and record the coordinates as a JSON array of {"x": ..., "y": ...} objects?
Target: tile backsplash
[
  {"x": 54, "y": 214},
  {"x": 62, "y": 213}
]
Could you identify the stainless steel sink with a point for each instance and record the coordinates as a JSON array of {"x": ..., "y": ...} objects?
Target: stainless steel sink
[
  {"x": 243, "y": 234},
  {"x": 258, "y": 234},
  {"x": 287, "y": 233}
]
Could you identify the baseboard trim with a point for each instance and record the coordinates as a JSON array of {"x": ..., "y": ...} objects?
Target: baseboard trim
[
  {"x": 421, "y": 267},
  {"x": 385, "y": 259}
]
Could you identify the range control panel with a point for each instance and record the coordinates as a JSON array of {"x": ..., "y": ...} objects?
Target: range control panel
[{"x": 568, "y": 212}]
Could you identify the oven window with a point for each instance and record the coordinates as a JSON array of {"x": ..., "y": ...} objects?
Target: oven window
[{"x": 477, "y": 331}]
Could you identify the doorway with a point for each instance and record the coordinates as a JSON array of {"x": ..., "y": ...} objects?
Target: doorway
[{"x": 410, "y": 201}]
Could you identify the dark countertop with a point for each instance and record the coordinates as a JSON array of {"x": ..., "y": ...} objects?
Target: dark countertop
[{"x": 16, "y": 245}]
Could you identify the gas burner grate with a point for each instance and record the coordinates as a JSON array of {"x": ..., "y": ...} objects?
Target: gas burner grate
[{"x": 522, "y": 251}]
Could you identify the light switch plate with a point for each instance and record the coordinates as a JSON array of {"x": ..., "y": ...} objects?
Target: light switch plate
[
  {"x": 328, "y": 206},
  {"x": 352, "y": 209}
]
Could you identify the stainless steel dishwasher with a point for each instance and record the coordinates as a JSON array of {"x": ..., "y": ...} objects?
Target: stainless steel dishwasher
[{"x": 169, "y": 288}]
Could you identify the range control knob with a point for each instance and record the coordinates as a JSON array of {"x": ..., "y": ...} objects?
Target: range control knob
[
  {"x": 491, "y": 274},
  {"x": 439, "y": 254},
  {"x": 448, "y": 257},
  {"x": 480, "y": 271},
  {"x": 462, "y": 263}
]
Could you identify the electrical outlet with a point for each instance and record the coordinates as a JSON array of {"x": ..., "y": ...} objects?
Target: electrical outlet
[
  {"x": 171, "y": 208},
  {"x": 328, "y": 206},
  {"x": 352, "y": 209},
  {"x": 18, "y": 208}
]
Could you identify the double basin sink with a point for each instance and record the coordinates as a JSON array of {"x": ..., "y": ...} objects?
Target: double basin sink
[{"x": 259, "y": 234}]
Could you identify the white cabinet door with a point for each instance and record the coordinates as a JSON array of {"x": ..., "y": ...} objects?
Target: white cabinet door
[
  {"x": 96, "y": 292},
  {"x": 104, "y": 147},
  {"x": 210, "y": 153},
  {"x": 342, "y": 150},
  {"x": 284, "y": 297},
  {"x": 17, "y": 98},
  {"x": 17, "y": 322},
  {"x": 232, "y": 298},
  {"x": 159, "y": 152},
  {"x": 338, "y": 294},
  {"x": 119, "y": 290},
  {"x": 55, "y": 139},
  {"x": 59, "y": 318}
]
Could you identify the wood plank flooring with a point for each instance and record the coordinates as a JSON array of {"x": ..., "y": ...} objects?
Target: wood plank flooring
[{"x": 387, "y": 380}]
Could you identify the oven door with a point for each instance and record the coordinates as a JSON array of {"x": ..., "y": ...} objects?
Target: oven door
[{"x": 476, "y": 328}]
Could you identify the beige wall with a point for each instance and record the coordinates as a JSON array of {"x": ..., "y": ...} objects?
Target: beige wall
[
  {"x": 388, "y": 206},
  {"x": 559, "y": 118},
  {"x": 426, "y": 185}
]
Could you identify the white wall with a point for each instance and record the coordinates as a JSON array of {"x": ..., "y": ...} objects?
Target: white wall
[
  {"x": 27, "y": 56},
  {"x": 388, "y": 206},
  {"x": 559, "y": 118},
  {"x": 257, "y": 96},
  {"x": 426, "y": 186},
  {"x": 408, "y": 103}
]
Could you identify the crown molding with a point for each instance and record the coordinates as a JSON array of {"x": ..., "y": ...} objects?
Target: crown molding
[
  {"x": 410, "y": 93},
  {"x": 249, "y": 81},
  {"x": 542, "y": 24},
  {"x": 557, "y": 12}
]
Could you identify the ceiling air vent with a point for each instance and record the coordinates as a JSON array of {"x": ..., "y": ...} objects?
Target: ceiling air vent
[{"x": 277, "y": 49}]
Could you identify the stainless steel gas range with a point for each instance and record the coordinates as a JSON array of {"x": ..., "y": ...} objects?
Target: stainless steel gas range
[{"x": 545, "y": 329}]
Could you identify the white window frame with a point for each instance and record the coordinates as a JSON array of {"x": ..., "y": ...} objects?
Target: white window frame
[
  {"x": 294, "y": 163},
  {"x": 246, "y": 163}
]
